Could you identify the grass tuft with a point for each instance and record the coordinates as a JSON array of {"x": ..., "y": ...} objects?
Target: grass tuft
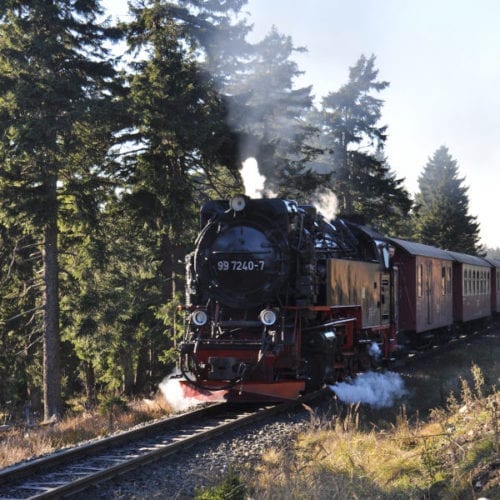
[{"x": 231, "y": 488}]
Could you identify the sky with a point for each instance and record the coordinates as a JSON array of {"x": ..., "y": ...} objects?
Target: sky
[{"x": 442, "y": 61}]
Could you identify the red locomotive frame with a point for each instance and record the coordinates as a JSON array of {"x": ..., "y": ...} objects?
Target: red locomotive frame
[{"x": 270, "y": 383}]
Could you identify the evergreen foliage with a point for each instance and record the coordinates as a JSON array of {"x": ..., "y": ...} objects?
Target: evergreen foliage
[
  {"x": 493, "y": 253},
  {"x": 54, "y": 87},
  {"x": 353, "y": 142},
  {"x": 20, "y": 314},
  {"x": 269, "y": 116},
  {"x": 442, "y": 216},
  {"x": 180, "y": 149}
]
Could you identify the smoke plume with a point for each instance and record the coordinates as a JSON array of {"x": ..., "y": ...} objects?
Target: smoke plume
[
  {"x": 379, "y": 390},
  {"x": 327, "y": 204},
  {"x": 253, "y": 180}
]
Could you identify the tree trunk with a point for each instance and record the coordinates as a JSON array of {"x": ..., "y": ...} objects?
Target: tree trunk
[
  {"x": 127, "y": 364},
  {"x": 89, "y": 380},
  {"x": 52, "y": 401}
]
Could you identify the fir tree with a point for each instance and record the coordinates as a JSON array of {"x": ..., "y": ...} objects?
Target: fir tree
[
  {"x": 442, "y": 216},
  {"x": 179, "y": 128},
  {"x": 53, "y": 85},
  {"x": 353, "y": 141},
  {"x": 493, "y": 253},
  {"x": 269, "y": 114}
]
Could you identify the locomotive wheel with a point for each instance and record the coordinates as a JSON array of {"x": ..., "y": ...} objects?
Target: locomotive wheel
[
  {"x": 350, "y": 365},
  {"x": 316, "y": 374}
]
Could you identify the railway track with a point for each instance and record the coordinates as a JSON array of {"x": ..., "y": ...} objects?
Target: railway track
[
  {"x": 444, "y": 342},
  {"x": 73, "y": 470}
]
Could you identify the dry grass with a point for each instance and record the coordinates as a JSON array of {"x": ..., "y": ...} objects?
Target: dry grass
[
  {"x": 453, "y": 454},
  {"x": 22, "y": 443},
  {"x": 344, "y": 460}
]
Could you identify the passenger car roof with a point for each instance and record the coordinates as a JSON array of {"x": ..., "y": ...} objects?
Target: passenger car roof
[
  {"x": 420, "y": 249},
  {"x": 437, "y": 253},
  {"x": 493, "y": 262},
  {"x": 464, "y": 258}
]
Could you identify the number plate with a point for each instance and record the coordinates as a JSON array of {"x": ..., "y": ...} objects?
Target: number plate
[{"x": 240, "y": 265}]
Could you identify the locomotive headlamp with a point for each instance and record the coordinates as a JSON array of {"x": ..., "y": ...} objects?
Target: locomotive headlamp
[
  {"x": 238, "y": 203},
  {"x": 268, "y": 317},
  {"x": 199, "y": 318}
]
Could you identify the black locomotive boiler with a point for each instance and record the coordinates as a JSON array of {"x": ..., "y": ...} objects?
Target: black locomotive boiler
[{"x": 281, "y": 301}]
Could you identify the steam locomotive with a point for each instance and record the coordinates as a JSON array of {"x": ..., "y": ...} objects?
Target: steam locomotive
[{"x": 281, "y": 301}]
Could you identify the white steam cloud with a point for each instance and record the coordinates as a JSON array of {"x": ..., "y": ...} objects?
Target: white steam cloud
[
  {"x": 379, "y": 390},
  {"x": 175, "y": 394},
  {"x": 325, "y": 201},
  {"x": 327, "y": 204},
  {"x": 374, "y": 351},
  {"x": 252, "y": 180}
]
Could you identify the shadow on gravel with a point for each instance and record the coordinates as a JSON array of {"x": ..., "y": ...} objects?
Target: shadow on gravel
[{"x": 431, "y": 380}]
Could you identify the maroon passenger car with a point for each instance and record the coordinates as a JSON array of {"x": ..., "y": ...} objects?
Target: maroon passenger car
[
  {"x": 495, "y": 284},
  {"x": 424, "y": 292},
  {"x": 471, "y": 287}
]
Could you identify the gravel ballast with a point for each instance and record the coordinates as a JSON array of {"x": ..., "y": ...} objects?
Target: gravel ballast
[{"x": 178, "y": 476}]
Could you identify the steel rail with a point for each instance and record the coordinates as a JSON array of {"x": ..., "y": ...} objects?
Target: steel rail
[
  {"x": 30, "y": 467},
  {"x": 63, "y": 472}
]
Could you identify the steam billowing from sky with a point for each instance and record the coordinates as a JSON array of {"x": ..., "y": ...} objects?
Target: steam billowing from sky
[{"x": 379, "y": 390}]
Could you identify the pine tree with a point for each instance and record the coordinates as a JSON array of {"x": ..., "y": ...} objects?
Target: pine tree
[
  {"x": 178, "y": 150},
  {"x": 53, "y": 83},
  {"x": 179, "y": 125},
  {"x": 493, "y": 253},
  {"x": 442, "y": 216},
  {"x": 353, "y": 142},
  {"x": 269, "y": 115}
]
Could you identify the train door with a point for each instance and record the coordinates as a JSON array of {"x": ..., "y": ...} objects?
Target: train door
[
  {"x": 385, "y": 298},
  {"x": 395, "y": 297},
  {"x": 429, "y": 293}
]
